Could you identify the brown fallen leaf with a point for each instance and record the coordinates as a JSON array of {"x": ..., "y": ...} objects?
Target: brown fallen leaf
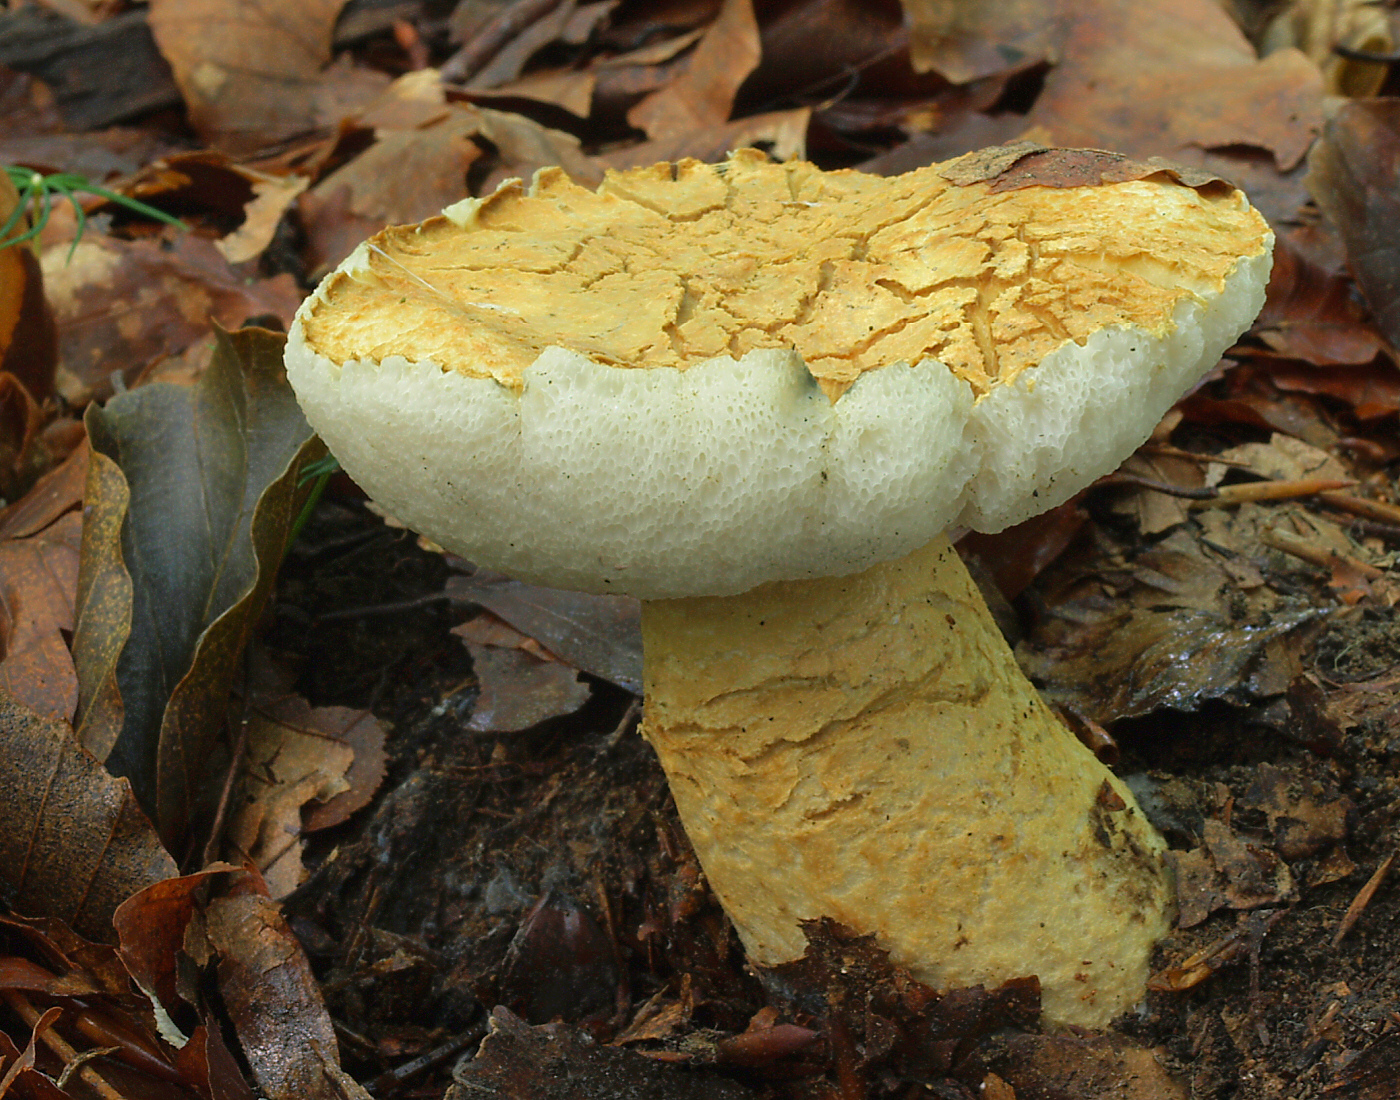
[
  {"x": 272, "y": 197},
  {"x": 38, "y": 580},
  {"x": 518, "y": 689},
  {"x": 555, "y": 1062},
  {"x": 260, "y": 963},
  {"x": 249, "y": 74},
  {"x": 58, "y": 491},
  {"x": 1311, "y": 313},
  {"x": 124, "y": 305},
  {"x": 298, "y": 757},
  {"x": 73, "y": 842},
  {"x": 703, "y": 96},
  {"x": 1085, "y": 1067},
  {"x": 783, "y": 134},
  {"x": 1228, "y": 871},
  {"x": 1352, "y": 175}
]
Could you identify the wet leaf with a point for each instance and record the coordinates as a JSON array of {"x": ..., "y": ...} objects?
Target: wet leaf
[
  {"x": 73, "y": 842},
  {"x": 212, "y": 472},
  {"x": 250, "y": 74},
  {"x": 123, "y": 306},
  {"x": 1170, "y": 631},
  {"x": 601, "y": 635},
  {"x": 1354, "y": 175},
  {"x": 555, "y": 1062},
  {"x": 260, "y": 963},
  {"x": 38, "y": 578}
]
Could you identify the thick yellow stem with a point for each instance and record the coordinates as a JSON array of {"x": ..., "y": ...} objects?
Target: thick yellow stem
[{"x": 866, "y": 748}]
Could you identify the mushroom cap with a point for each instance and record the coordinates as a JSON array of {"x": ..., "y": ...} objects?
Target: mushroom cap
[{"x": 700, "y": 378}]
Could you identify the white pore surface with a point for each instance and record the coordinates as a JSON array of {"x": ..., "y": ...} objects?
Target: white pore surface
[{"x": 729, "y": 474}]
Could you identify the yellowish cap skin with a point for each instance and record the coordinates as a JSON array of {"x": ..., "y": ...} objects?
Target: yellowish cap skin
[{"x": 755, "y": 395}]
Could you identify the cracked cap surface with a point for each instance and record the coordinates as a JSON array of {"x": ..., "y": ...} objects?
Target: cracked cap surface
[
  {"x": 669, "y": 266},
  {"x": 704, "y": 377}
]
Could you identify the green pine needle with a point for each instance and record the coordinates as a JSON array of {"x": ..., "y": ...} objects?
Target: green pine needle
[{"x": 37, "y": 190}]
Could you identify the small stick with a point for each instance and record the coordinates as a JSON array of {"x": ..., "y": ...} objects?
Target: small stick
[
  {"x": 55, "y": 1042},
  {"x": 1273, "y": 490},
  {"x": 1314, "y": 555},
  {"x": 1362, "y": 899},
  {"x": 1377, "y": 510}
]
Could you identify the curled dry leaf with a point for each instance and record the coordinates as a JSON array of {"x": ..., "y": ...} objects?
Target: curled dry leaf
[
  {"x": 73, "y": 842},
  {"x": 213, "y": 473}
]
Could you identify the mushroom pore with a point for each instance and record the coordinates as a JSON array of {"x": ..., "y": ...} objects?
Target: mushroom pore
[{"x": 756, "y": 396}]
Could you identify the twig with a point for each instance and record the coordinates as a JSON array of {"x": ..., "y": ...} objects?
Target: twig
[
  {"x": 1316, "y": 555},
  {"x": 485, "y": 44},
  {"x": 1362, "y": 899},
  {"x": 1274, "y": 490},
  {"x": 56, "y": 1043},
  {"x": 1377, "y": 510}
]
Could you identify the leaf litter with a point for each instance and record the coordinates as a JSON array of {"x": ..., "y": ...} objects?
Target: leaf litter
[{"x": 509, "y": 875}]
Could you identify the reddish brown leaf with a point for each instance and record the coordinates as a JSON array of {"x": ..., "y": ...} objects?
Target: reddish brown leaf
[
  {"x": 58, "y": 491},
  {"x": 73, "y": 842},
  {"x": 150, "y": 927},
  {"x": 38, "y": 580},
  {"x": 1354, "y": 174},
  {"x": 249, "y": 73},
  {"x": 28, "y": 339},
  {"x": 260, "y": 963},
  {"x": 1372, "y": 390},
  {"x": 1311, "y": 312}
]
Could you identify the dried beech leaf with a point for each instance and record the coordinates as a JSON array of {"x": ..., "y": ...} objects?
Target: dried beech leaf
[
  {"x": 38, "y": 578},
  {"x": 249, "y": 72},
  {"x": 123, "y": 306},
  {"x": 703, "y": 96},
  {"x": 73, "y": 842},
  {"x": 261, "y": 964},
  {"x": 213, "y": 474}
]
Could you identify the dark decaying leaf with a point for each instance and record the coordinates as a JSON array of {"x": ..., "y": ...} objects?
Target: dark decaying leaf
[
  {"x": 150, "y": 927},
  {"x": 560, "y": 964},
  {"x": 1354, "y": 175},
  {"x": 1228, "y": 870},
  {"x": 20, "y": 1077},
  {"x": 602, "y": 635},
  {"x": 73, "y": 842},
  {"x": 555, "y": 1062},
  {"x": 260, "y": 963},
  {"x": 1373, "y": 1074},
  {"x": 876, "y": 1012},
  {"x": 213, "y": 477},
  {"x": 1305, "y": 815},
  {"x": 1163, "y": 633}
]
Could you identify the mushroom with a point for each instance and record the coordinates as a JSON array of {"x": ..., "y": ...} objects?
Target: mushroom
[{"x": 757, "y": 396}]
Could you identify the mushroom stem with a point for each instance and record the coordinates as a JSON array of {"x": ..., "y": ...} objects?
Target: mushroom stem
[{"x": 866, "y": 748}]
